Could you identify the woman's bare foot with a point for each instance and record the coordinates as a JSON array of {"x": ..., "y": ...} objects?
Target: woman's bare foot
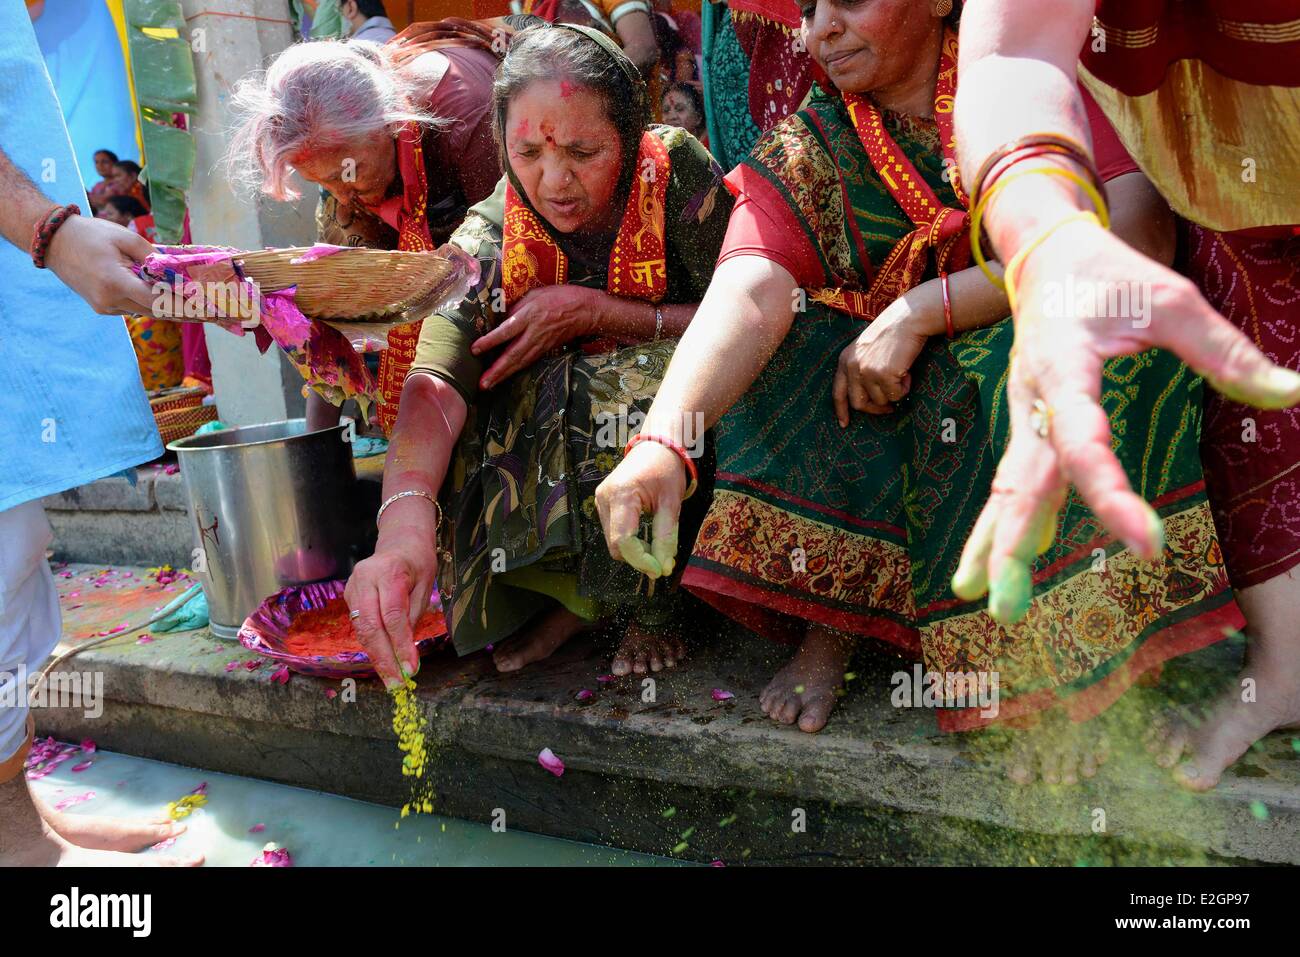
[
  {"x": 805, "y": 689},
  {"x": 1265, "y": 697},
  {"x": 1212, "y": 741},
  {"x": 27, "y": 841},
  {"x": 640, "y": 651},
  {"x": 1056, "y": 751},
  {"x": 543, "y": 637},
  {"x": 108, "y": 833}
]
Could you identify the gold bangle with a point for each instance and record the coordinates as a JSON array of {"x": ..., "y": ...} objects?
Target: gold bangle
[
  {"x": 437, "y": 509},
  {"x": 977, "y": 217},
  {"x": 1018, "y": 260}
]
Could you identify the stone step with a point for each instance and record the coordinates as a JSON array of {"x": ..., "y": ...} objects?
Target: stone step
[{"x": 664, "y": 768}]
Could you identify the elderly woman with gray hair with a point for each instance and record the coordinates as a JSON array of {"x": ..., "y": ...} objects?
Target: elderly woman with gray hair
[{"x": 399, "y": 138}]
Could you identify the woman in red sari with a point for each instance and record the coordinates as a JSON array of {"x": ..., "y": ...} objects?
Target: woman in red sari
[{"x": 1235, "y": 71}]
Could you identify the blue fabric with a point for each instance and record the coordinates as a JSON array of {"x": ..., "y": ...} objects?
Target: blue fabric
[
  {"x": 83, "y": 55},
  {"x": 72, "y": 408}
]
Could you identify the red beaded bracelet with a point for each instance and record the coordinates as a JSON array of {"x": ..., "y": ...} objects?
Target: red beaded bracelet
[
  {"x": 947, "y": 307},
  {"x": 47, "y": 227},
  {"x": 691, "y": 471}
]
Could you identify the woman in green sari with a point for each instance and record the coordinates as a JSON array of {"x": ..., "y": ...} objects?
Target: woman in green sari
[
  {"x": 594, "y": 252},
  {"x": 826, "y": 524}
]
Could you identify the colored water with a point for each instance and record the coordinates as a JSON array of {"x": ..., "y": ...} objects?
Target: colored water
[{"x": 317, "y": 829}]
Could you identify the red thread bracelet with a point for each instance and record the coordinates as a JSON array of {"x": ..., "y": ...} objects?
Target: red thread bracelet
[
  {"x": 947, "y": 307},
  {"x": 691, "y": 471},
  {"x": 45, "y": 229}
]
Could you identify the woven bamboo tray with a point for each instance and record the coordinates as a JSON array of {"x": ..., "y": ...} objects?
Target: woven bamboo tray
[{"x": 354, "y": 283}]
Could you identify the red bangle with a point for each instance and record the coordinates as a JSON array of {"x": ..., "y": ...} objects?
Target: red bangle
[
  {"x": 691, "y": 471},
  {"x": 47, "y": 227},
  {"x": 947, "y": 307}
]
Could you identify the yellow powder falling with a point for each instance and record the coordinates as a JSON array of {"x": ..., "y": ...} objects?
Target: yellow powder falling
[{"x": 412, "y": 730}]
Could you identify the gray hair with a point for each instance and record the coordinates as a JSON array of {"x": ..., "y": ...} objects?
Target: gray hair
[{"x": 321, "y": 92}]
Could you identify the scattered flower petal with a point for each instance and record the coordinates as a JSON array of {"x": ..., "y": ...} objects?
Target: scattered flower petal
[
  {"x": 201, "y": 789},
  {"x": 548, "y": 760},
  {"x": 163, "y": 845},
  {"x": 605, "y": 679},
  {"x": 720, "y": 695},
  {"x": 252, "y": 664},
  {"x": 144, "y": 639},
  {"x": 281, "y": 674},
  {"x": 68, "y": 802},
  {"x": 232, "y": 665},
  {"x": 331, "y": 693},
  {"x": 88, "y": 746},
  {"x": 82, "y": 766},
  {"x": 273, "y": 856},
  {"x": 257, "y": 829},
  {"x": 182, "y": 808},
  {"x": 584, "y": 694}
]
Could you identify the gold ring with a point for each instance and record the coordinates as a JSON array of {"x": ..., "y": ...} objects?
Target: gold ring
[{"x": 1040, "y": 419}]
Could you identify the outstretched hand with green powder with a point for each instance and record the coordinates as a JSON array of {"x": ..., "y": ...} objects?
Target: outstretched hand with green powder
[{"x": 650, "y": 479}]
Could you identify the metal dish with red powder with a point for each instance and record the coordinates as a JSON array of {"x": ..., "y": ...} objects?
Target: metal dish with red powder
[{"x": 318, "y": 649}]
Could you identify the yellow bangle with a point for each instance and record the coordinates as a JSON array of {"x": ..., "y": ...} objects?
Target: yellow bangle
[
  {"x": 1018, "y": 260},
  {"x": 977, "y": 217}
]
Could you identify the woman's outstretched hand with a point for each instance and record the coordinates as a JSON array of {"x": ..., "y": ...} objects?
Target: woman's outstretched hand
[
  {"x": 542, "y": 321},
  {"x": 649, "y": 479},
  {"x": 1059, "y": 432},
  {"x": 391, "y": 590}
]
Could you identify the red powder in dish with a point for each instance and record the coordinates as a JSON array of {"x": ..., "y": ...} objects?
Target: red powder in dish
[{"x": 328, "y": 632}]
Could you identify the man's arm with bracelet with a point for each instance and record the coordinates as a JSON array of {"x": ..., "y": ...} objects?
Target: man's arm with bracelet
[{"x": 92, "y": 256}]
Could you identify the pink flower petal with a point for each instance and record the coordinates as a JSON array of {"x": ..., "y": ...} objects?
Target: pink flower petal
[
  {"x": 163, "y": 845},
  {"x": 584, "y": 694},
  {"x": 252, "y": 664},
  {"x": 75, "y": 799},
  {"x": 116, "y": 628},
  {"x": 548, "y": 760},
  {"x": 273, "y": 856},
  {"x": 88, "y": 746},
  {"x": 605, "y": 679},
  {"x": 281, "y": 674},
  {"x": 82, "y": 766},
  {"x": 257, "y": 829},
  {"x": 232, "y": 665},
  {"x": 331, "y": 693},
  {"x": 717, "y": 864},
  {"x": 201, "y": 789},
  {"x": 720, "y": 695},
  {"x": 144, "y": 639}
]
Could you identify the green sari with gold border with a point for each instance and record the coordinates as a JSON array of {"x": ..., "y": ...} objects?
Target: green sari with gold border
[
  {"x": 519, "y": 497},
  {"x": 861, "y": 529}
]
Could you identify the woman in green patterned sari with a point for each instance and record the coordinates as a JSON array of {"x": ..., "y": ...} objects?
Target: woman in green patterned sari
[
  {"x": 594, "y": 252},
  {"x": 853, "y": 462}
]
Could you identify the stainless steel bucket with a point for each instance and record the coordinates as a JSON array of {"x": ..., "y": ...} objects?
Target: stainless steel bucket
[{"x": 273, "y": 505}]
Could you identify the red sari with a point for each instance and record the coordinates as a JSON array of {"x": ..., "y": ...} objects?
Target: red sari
[{"x": 1236, "y": 68}]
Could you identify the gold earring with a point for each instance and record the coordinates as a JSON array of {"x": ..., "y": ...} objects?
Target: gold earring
[{"x": 943, "y": 8}]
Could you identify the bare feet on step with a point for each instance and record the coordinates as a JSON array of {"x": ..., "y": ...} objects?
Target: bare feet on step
[
  {"x": 804, "y": 691},
  {"x": 641, "y": 651},
  {"x": 540, "y": 639}
]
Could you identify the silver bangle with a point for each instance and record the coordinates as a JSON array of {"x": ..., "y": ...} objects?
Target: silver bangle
[
  {"x": 659, "y": 323},
  {"x": 407, "y": 494}
]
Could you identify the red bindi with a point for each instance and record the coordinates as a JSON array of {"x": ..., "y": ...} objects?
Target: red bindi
[{"x": 567, "y": 89}]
